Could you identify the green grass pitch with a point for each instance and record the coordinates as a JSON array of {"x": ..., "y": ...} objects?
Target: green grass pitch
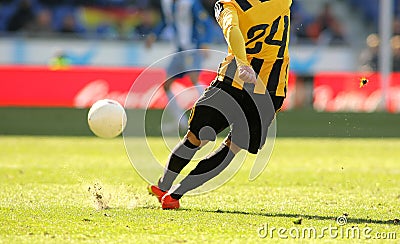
[{"x": 45, "y": 196}]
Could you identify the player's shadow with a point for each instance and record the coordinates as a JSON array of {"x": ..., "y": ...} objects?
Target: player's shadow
[
  {"x": 305, "y": 216},
  {"x": 294, "y": 216}
]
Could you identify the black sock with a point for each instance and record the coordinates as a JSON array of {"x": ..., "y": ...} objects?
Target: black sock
[
  {"x": 179, "y": 158},
  {"x": 205, "y": 170}
]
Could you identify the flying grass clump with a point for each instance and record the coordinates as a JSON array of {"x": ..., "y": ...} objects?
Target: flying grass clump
[{"x": 100, "y": 200}]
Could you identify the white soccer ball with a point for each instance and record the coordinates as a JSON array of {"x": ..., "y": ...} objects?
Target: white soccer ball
[{"x": 107, "y": 118}]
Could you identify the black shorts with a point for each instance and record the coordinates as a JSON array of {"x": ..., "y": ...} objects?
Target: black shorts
[{"x": 248, "y": 114}]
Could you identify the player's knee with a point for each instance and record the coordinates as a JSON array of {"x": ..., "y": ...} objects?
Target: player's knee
[
  {"x": 194, "y": 140},
  {"x": 232, "y": 146}
]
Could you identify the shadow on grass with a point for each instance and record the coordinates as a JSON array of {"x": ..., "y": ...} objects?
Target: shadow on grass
[
  {"x": 305, "y": 216},
  {"x": 292, "y": 216}
]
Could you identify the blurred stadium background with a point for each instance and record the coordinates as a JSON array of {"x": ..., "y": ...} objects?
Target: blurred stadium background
[{"x": 58, "y": 57}]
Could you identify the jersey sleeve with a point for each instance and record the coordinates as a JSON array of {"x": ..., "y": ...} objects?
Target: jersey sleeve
[{"x": 227, "y": 18}]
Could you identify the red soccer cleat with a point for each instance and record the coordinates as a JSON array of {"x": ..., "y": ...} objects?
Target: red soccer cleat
[
  {"x": 168, "y": 202},
  {"x": 154, "y": 190}
]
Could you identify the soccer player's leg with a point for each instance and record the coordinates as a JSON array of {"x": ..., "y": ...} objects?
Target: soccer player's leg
[
  {"x": 194, "y": 78},
  {"x": 206, "y": 121},
  {"x": 205, "y": 170},
  {"x": 247, "y": 114},
  {"x": 195, "y": 65},
  {"x": 185, "y": 150},
  {"x": 175, "y": 70},
  {"x": 201, "y": 130},
  {"x": 178, "y": 159}
]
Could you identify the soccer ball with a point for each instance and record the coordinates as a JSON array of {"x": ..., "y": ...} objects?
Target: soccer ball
[{"x": 107, "y": 118}]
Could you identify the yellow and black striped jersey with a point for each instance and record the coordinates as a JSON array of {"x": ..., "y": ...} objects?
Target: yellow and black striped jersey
[{"x": 264, "y": 27}]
